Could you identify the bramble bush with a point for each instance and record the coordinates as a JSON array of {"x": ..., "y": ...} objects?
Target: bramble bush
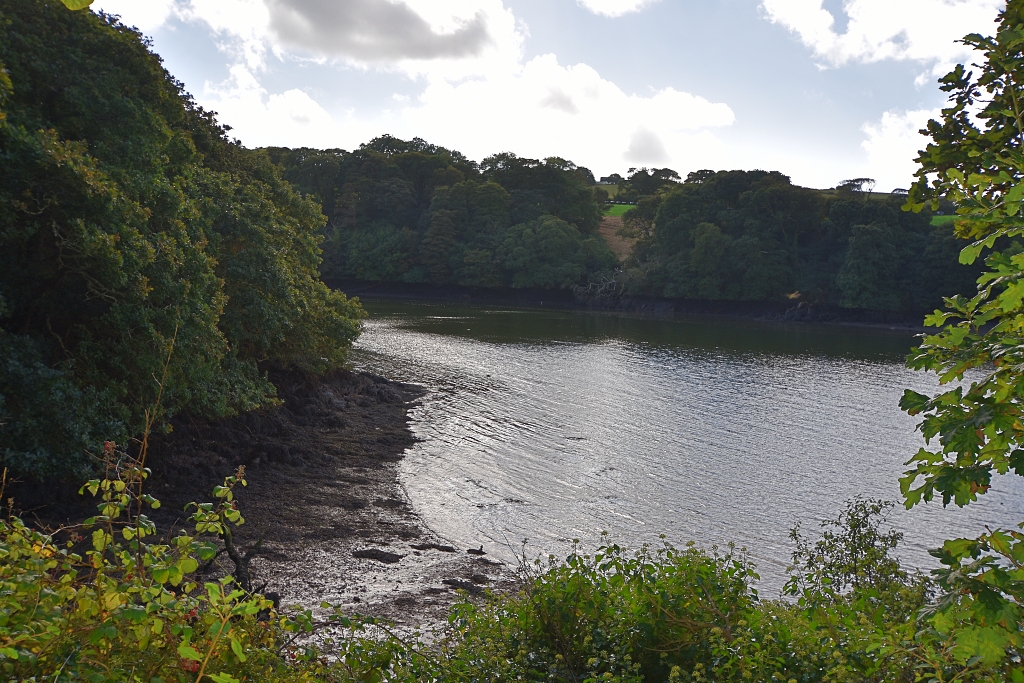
[
  {"x": 668, "y": 614},
  {"x": 110, "y": 603}
]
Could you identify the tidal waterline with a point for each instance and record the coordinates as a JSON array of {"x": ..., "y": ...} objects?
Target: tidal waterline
[{"x": 548, "y": 426}]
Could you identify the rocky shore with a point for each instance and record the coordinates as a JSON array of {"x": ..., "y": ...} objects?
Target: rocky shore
[{"x": 324, "y": 503}]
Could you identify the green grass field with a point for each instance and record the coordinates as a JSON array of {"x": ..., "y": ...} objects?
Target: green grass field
[
  {"x": 617, "y": 209},
  {"x": 942, "y": 220}
]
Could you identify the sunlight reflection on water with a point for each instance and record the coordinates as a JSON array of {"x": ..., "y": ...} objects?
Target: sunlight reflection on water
[{"x": 550, "y": 426}]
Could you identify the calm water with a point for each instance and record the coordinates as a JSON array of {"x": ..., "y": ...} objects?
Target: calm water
[{"x": 550, "y": 426}]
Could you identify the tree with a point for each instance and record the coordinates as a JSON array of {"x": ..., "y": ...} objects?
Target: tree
[
  {"x": 871, "y": 263},
  {"x": 130, "y": 225},
  {"x": 708, "y": 260},
  {"x": 644, "y": 182},
  {"x": 973, "y": 427},
  {"x": 551, "y": 187},
  {"x": 549, "y": 253},
  {"x": 856, "y": 185}
]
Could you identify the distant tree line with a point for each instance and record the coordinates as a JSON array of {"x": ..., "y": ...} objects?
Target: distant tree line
[
  {"x": 754, "y": 236},
  {"x": 413, "y": 212},
  {"x": 409, "y": 211}
]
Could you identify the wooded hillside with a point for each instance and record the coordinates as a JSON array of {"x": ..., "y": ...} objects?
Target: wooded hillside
[{"x": 133, "y": 231}]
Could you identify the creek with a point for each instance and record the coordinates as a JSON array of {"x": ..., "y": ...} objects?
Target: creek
[{"x": 549, "y": 426}]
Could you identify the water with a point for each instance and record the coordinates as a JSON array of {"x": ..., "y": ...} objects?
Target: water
[{"x": 552, "y": 426}]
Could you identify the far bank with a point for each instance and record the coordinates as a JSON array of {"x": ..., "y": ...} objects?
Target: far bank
[{"x": 568, "y": 300}]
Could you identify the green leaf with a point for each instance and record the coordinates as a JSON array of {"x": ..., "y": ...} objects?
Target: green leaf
[
  {"x": 99, "y": 540},
  {"x": 987, "y": 643},
  {"x": 1016, "y": 193},
  {"x": 971, "y": 252},
  {"x": 222, "y": 678},
  {"x": 1010, "y": 299},
  {"x": 936, "y": 319},
  {"x": 236, "y": 647},
  {"x": 76, "y": 4},
  {"x": 186, "y": 651},
  {"x": 913, "y": 402}
]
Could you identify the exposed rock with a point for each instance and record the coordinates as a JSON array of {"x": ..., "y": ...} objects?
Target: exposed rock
[{"x": 377, "y": 554}]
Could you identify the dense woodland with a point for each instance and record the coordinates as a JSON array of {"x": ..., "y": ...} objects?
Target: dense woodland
[
  {"x": 411, "y": 212},
  {"x": 153, "y": 266},
  {"x": 130, "y": 224},
  {"x": 753, "y": 235}
]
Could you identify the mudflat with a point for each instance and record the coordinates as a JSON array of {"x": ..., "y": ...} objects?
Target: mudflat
[{"x": 323, "y": 503}]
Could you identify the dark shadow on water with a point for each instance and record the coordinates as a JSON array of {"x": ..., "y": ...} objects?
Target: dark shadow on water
[{"x": 727, "y": 335}]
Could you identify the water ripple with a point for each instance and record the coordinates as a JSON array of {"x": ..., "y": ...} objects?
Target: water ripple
[{"x": 552, "y": 426}]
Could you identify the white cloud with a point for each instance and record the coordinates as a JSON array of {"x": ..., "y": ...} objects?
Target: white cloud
[
  {"x": 145, "y": 16},
  {"x": 450, "y": 38},
  {"x": 372, "y": 30},
  {"x": 645, "y": 147},
  {"x": 478, "y": 95},
  {"x": 921, "y": 30},
  {"x": 291, "y": 118},
  {"x": 614, "y": 8},
  {"x": 892, "y": 145},
  {"x": 548, "y": 109},
  {"x": 545, "y": 109}
]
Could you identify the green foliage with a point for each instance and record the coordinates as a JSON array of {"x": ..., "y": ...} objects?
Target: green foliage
[
  {"x": 126, "y": 218},
  {"x": 549, "y": 253},
  {"x": 124, "y": 608},
  {"x": 551, "y": 187},
  {"x": 691, "y": 615},
  {"x": 611, "y": 616},
  {"x": 45, "y": 415},
  {"x": 110, "y": 603},
  {"x": 740, "y": 235},
  {"x": 644, "y": 182},
  {"x": 412, "y": 212},
  {"x": 871, "y": 267},
  {"x": 638, "y": 221},
  {"x": 853, "y": 553},
  {"x": 972, "y": 427},
  {"x": 616, "y": 209}
]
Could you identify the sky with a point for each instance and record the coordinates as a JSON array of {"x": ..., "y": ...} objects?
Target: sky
[{"x": 821, "y": 90}]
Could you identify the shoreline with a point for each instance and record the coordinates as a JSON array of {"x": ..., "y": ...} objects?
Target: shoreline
[
  {"x": 323, "y": 499},
  {"x": 658, "y": 307}
]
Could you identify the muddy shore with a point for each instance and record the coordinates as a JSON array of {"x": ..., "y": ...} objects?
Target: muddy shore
[{"x": 324, "y": 500}]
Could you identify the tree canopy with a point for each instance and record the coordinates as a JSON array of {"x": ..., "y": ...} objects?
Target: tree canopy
[
  {"x": 409, "y": 211},
  {"x": 129, "y": 225},
  {"x": 753, "y": 235},
  {"x": 972, "y": 426}
]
